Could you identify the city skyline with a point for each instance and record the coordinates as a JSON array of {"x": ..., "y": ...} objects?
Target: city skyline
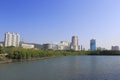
[
  {"x": 13, "y": 39},
  {"x": 43, "y": 21}
]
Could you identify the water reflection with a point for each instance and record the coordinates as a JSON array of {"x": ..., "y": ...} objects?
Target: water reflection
[{"x": 64, "y": 68}]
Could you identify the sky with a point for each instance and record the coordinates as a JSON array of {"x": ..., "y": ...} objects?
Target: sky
[{"x": 51, "y": 21}]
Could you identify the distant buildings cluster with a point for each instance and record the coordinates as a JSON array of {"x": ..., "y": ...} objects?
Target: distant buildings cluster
[{"x": 13, "y": 39}]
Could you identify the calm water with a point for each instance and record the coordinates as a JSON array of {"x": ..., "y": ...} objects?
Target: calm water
[{"x": 64, "y": 68}]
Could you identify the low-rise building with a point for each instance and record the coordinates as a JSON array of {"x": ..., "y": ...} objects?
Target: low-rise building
[
  {"x": 38, "y": 46},
  {"x": 27, "y": 45},
  {"x": 50, "y": 46},
  {"x": 64, "y": 45},
  {"x": 60, "y": 46},
  {"x": 115, "y": 48},
  {"x": 1, "y": 44},
  {"x": 100, "y": 49}
]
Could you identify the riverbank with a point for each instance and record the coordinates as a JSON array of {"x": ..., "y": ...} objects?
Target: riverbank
[
  {"x": 6, "y": 61},
  {"x": 24, "y": 60},
  {"x": 11, "y": 54}
]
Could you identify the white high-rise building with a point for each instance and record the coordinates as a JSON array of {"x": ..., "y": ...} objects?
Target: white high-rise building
[
  {"x": 12, "y": 39},
  {"x": 74, "y": 43}
]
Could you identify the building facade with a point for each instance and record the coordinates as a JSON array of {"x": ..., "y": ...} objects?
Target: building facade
[
  {"x": 101, "y": 49},
  {"x": 92, "y": 44},
  {"x": 50, "y": 46},
  {"x": 66, "y": 43},
  {"x": 63, "y": 45},
  {"x": 27, "y": 45},
  {"x": 11, "y": 39},
  {"x": 1, "y": 44},
  {"x": 74, "y": 43},
  {"x": 115, "y": 48}
]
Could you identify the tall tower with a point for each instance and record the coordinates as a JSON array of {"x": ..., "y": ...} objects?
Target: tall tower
[
  {"x": 92, "y": 44},
  {"x": 74, "y": 43},
  {"x": 12, "y": 39}
]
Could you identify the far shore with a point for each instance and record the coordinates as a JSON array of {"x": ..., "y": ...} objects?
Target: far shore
[
  {"x": 15, "y": 54},
  {"x": 40, "y": 58}
]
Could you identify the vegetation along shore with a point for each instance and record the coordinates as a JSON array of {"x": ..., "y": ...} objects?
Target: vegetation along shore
[{"x": 10, "y": 54}]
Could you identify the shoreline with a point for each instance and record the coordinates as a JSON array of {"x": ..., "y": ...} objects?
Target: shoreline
[
  {"x": 24, "y": 60},
  {"x": 5, "y": 61}
]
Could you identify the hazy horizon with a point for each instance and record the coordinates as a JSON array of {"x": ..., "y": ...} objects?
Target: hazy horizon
[{"x": 46, "y": 21}]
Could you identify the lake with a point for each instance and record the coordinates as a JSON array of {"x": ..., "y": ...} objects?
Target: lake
[{"x": 64, "y": 68}]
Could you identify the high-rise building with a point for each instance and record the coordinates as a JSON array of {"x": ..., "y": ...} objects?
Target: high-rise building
[
  {"x": 92, "y": 44},
  {"x": 12, "y": 39},
  {"x": 74, "y": 43}
]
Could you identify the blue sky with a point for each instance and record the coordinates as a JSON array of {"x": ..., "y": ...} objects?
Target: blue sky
[{"x": 43, "y": 21}]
